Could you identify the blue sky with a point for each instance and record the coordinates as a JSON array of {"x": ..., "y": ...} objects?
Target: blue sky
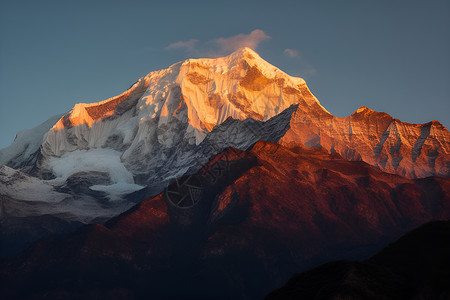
[{"x": 391, "y": 56}]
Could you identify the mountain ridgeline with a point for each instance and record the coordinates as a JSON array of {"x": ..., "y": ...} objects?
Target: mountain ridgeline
[
  {"x": 175, "y": 109},
  {"x": 211, "y": 179}
]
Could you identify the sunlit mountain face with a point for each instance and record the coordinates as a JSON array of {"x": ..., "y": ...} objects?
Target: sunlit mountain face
[{"x": 222, "y": 177}]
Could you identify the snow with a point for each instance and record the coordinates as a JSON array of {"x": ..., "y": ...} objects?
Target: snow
[
  {"x": 18, "y": 185},
  {"x": 99, "y": 160},
  {"x": 117, "y": 190},
  {"x": 26, "y": 143},
  {"x": 23, "y": 195}
]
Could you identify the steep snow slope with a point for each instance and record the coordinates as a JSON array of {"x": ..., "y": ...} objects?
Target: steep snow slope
[
  {"x": 199, "y": 92},
  {"x": 18, "y": 185},
  {"x": 27, "y": 142}
]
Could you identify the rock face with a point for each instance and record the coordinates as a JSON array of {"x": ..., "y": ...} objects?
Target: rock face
[
  {"x": 236, "y": 229},
  {"x": 411, "y": 150}
]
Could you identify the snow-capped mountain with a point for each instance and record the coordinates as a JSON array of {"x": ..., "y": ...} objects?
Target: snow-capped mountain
[
  {"x": 172, "y": 121},
  {"x": 168, "y": 123},
  {"x": 156, "y": 128}
]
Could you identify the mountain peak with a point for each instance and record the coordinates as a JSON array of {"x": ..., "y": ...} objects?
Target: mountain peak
[
  {"x": 363, "y": 109},
  {"x": 195, "y": 95},
  {"x": 244, "y": 50},
  {"x": 181, "y": 105},
  {"x": 242, "y": 60},
  {"x": 246, "y": 53},
  {"x": 241, "y": 85}
]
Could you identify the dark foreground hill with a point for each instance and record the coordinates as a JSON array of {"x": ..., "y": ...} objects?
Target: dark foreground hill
[{"x": 417, "y": 266}]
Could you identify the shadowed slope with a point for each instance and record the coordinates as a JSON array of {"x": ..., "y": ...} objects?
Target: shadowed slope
[
  {"x": 260, "y": 216},
  {"x": 417, "y": 266}
]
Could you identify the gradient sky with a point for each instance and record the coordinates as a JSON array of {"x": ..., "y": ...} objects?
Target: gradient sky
[{"x": 392, "y": 56}]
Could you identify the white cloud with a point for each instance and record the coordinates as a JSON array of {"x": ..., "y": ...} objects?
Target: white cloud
[
  {"x": 291, "y": 52},
  {"x": 189, "y": 45},
  {"x": 221, "y": 46},
  {"x": 251, "y": 40},
  {"x": 309, "y": 70}
]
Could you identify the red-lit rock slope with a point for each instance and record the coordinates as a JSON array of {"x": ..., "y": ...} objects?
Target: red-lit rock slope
[
  {"x": 250, "y": 220},
  {"x": 410, "y": 150}
]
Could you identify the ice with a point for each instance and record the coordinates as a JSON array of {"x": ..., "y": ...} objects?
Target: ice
[
  {"x": 18, "y": 185},
  {"x": 99, "y": 160},
  {"x": 117, "y": 190}
]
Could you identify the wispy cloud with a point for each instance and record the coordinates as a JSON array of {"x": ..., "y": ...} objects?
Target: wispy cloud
[
  {"x": 225, "y": 45},
  {"x": 304, "y": 68},
  {"x": 291, "y": 52},
  {"x": 220, "y": 46},
  {"x": 251, "y": 40},
  {"x": 309, "y": 71},
  {"x": 187, "y": 45}
]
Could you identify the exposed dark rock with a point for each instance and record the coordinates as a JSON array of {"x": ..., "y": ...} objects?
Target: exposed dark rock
[{"x": 80, "y": 182}]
